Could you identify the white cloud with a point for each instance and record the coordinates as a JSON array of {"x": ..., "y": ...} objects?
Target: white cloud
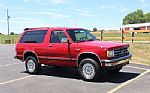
[
  {"x": 144, "y": 3},
  {"x": 26, "y": 1},
  {"x": 20, "y": 20},
  {"x": 45, "y": 2},
  {"x": 124, "y": 10},
  {"x": 102, "y": 7},
  {"x": 2, "y": 6},
  {"x": 82, "y": 12},
  {"x": 86, "y": 13},
  {"x": 57, "y": 2},
  {"x": 50, "y": 13},
  {"x": 19, "y": 7},
  {"x": 106, "y": 7},
  {"x": 25, "y": 19}
]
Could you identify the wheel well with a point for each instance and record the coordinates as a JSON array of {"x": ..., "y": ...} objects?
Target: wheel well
[
  {"x": 88, "y": 55},
  {"x": 30, "y": 54}
]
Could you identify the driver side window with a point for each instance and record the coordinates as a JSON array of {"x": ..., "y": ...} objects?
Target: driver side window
[{"x": 57, "y": 37}]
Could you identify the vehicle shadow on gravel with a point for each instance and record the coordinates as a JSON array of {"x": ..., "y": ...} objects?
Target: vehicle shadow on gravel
[{"x": 72, "y": 73}]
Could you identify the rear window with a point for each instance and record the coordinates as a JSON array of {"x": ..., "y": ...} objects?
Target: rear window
[{"x": 33, "y": 36}]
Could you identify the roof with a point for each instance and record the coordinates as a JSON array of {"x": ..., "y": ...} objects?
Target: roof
[
  {"x": 136, "y": 25},
  {"x": 53, "y": 28}
]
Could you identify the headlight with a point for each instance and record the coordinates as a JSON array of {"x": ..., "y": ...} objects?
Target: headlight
[{"x": 110, "y": 53}]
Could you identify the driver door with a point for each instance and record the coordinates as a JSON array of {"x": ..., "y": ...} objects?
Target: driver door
[{"x": 58, "y": 54}]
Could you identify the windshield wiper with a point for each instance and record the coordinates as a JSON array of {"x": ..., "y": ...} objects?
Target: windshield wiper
[
  {"x": 84, "y": 40},
  {"x": 90, "y": 40}
]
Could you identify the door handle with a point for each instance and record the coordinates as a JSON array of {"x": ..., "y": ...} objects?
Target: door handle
[{"x": 50, "y": 46}]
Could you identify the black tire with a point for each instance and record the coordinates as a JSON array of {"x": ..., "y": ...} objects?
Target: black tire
[
  {"x": 115, "y": 70},
  {"x": 32, "y": 65},
  {"x": 57, "y": 67},
  {"x": 89, "y": 69}
]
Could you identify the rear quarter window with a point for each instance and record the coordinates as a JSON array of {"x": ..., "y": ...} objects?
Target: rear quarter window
[{"x": 33, "y": 36}]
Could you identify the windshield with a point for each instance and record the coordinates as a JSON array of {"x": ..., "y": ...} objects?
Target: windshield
[{"x": 81, "y": 35}]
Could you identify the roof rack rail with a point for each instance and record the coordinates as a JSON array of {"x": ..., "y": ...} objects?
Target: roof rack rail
[
  {"x": 27, "y": 29},
  {"x": 35, "y": 28}
]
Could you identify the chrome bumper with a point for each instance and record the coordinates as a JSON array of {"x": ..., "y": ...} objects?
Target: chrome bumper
[{"x": 122, "y": 60}]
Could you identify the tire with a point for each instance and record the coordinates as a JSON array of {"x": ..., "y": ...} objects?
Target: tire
[
  {"x": 57, "y": 67},
  {"x": 89, "y": 69},
  {"x": 115, "y": 70},
  {"x": 32, "y": 65}
]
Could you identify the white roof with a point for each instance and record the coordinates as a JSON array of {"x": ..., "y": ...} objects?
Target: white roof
[{"x": 136, "y": 25}]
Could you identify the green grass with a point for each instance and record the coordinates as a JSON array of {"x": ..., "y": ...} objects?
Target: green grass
[
  {"x": 12, "y": 38},
  {"x": 141, "y": 53}
]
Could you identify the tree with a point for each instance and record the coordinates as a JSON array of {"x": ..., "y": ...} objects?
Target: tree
[
  {"x": 147, "y": 17},
  {"x": 137, "y": 16},
  {"x": 95, "y": 29},
  {"x": 12, "y": 33}
]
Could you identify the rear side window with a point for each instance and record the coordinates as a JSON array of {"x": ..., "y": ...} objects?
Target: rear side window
[{"x": 33, "y": 36}]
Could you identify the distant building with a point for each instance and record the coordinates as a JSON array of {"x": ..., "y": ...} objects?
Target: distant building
[{"x": 141, "y": 26}]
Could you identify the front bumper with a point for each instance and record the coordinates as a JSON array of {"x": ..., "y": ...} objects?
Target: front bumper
[{"x": 117, "y": 62}]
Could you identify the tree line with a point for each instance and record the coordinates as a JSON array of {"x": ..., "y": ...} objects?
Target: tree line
[{"x": 137, "y": 16}]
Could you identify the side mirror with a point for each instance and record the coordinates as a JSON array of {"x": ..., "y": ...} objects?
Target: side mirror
[
  {"x": 69, "y": 42},
  {"x": 64, "y": 40}
]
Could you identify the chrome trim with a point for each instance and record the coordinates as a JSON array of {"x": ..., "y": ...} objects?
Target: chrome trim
[
  {"x": 123, "y": 62},
  {"x": 117, "y": 59}
]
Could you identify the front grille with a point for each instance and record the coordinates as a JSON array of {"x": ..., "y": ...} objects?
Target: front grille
[{"x": 120, "y": 52}]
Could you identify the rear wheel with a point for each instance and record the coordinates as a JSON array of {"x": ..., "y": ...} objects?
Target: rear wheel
[
  {"x": 32, "y": 65},
  {"x": 89, "y": 69}
]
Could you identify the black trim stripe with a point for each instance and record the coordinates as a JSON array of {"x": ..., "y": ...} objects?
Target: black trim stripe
[{"x": 51, "y": 58}]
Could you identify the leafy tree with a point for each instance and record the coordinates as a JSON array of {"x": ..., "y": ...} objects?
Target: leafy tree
[
  {"x": 147, "y": 17},
  {"x": 12, "y": 33},
  {"x": 137, "y": 16},
  {"x": 94, "y": 29}
]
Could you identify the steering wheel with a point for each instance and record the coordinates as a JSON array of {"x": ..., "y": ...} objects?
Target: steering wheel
[{"x": 82, "y": 38}]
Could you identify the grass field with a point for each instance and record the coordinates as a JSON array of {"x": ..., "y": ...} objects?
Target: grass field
[
  {"x": 12, "y": 38},
  {"x": 116, "y": 36},
  {"x": 140, "y": 51}
]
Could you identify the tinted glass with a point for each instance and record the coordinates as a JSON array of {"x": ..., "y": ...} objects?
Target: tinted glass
[
  {"x": 33, "y": 36},
  {"x": 81, "y": 35},
  {"x": 57, "y": 37}
]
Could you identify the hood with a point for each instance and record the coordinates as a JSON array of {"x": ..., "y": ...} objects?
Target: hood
[{"x": 104, "y": 44}]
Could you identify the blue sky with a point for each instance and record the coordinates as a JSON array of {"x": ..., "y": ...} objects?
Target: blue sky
[{"x": 102, "y": 14}]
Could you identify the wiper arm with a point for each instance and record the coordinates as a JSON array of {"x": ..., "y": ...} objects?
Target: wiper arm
[
  {"x": 90, "y": 40},
  {"x": 79, "y": 41}
]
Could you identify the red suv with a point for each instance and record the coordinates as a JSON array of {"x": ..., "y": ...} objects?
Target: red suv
[{"x": 70, "y": 47}]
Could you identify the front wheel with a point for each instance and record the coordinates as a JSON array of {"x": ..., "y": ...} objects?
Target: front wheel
[
  {"x": 32, "y": 66},
  {"x": 89, "y": 69}
]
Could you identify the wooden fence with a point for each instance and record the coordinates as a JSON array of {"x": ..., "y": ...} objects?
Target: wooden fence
[
  {"x": 133, "y": 32},
  {"x": 122, "y": 36}
]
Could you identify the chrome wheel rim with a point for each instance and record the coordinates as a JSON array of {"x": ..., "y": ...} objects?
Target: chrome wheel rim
[
  {"x": 30, "y": 65},
  {"x": 88, "y": 71}
]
